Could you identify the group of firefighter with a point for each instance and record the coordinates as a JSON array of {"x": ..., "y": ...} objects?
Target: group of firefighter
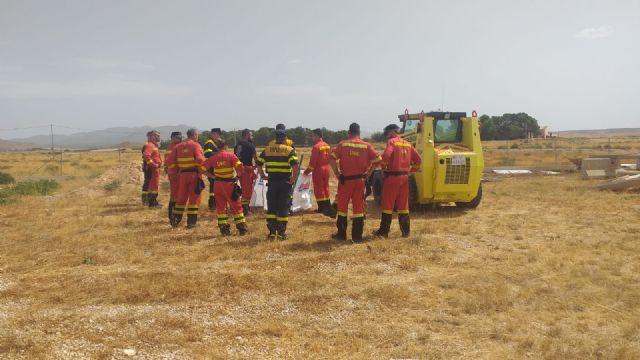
[{"x": 232, "y": 173}]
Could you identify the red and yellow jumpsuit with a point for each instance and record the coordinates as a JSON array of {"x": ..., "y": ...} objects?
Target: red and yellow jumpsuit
[
  {"x": 152, "y": 159},
  {"x": 226, "y": 166},
  {"x": 320, "y": 169},
  {"x": 355, "y": 157},
  {"x": 189, "y": 158},
  {"x": 398, "y": 159}
]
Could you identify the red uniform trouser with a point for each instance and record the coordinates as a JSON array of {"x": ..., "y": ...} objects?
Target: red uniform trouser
[
  {"x": 351, "y": 190},
  {"x": 174, "y": 185},
  {"x": 320, "y": 177},
  {"x": 224, "y": 190},
  {"x": 154, "y": 181},
  {"x": 395, "y": 194},
  {"x": 246, "y": 182},
  {"x": 187, "y": 201}
]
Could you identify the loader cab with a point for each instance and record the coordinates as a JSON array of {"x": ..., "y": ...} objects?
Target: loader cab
[{"x": 447, "y": 126}]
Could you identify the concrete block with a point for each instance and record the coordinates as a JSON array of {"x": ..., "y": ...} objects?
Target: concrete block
[{"x": 594, "y": 167}]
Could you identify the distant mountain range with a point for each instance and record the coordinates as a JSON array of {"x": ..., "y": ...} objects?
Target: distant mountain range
[
  {"x": 600, "y": 132},
  {"x": 129, "y": 136},
  {"x": 99, "y": 138}
]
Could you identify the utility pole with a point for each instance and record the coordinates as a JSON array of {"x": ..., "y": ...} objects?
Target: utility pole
[{"x": 51, "y": 126}]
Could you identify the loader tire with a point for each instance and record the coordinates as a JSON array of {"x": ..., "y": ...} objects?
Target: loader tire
[{"x": 473, "y": 203}]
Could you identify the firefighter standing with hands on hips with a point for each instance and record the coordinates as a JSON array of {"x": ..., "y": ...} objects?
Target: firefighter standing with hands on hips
[
  {"x": 210, "y": 149},
  {"x": 171, "y": 168},
  {"x": 320, "y": 171},
  {"x": 246, "y": 152},
  {"x": 280, "y": 161},
  {"x": 398, "y": 159},
  {"x": 189, "y": 158},
  {"x": 225, "y": 166},
  {"x": 153, "y": 161},
  {"x": 356, "y": 158}
]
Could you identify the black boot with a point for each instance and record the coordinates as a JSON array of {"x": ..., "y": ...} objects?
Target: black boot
[
  {"x": 212, "y": 202},
  {"x": 341, "y": 224},
  {"x": 282, "y": 230},
  {"x": 328, "y": 210},
  {"x": 192, "y": 219},
  {"x": 405, "y": 224},
  {"x": 320, "y": 208},
  {"x": 246, "y": 209},
  {"x": 385, "y": 225},
  {"x": 357, "y": 227},
  {"x": 176, "y": 219},
  {"x": 152, "y": 199},
  {"x": 242, "y": 228},
  {"x": 172, "y": 204},
  {"x": 271, "y": 225},
  {"x": 225, "y": 229}
]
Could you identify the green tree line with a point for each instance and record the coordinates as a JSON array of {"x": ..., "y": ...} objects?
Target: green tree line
[
  {"x": 508, "y": 126},
  {"x": 301, "y": 136}
]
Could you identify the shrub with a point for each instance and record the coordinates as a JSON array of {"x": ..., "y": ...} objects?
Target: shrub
[
  {"x": 113, "y": 185},
  {"x": 502, "y": 147},
  {"x": 6, "y": 178},
  {"x": 37, "y": 187},
  {"x": 514, "y": 146}
]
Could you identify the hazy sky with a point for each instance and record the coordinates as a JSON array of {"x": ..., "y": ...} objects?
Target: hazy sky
[{"x": 235, "y": 64}]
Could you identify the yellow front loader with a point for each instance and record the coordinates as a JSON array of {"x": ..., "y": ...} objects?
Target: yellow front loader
[{"x": 452, "y": 161}]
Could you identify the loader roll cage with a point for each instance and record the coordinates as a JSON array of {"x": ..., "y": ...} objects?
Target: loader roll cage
[{"x": 447, "y": 126}]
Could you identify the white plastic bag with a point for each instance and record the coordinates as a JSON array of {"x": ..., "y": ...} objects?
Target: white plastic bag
[
  {"x": 302, "y": 194},
  {"x": 259, "y": 197}
]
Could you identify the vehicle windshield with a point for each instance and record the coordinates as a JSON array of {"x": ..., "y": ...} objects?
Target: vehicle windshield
[
  {"x": 447, "y": 131},
  {"x": 410, "y": 125}
]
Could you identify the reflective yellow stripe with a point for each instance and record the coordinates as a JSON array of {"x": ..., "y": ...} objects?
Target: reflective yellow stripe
[
  {"x": 403, "y": 212},
  {"x": 222, "y": 170},
  {"x": 325, "y": 147},
  {"x": 342, "y": 213},
  {"x": 399, "y": 143},
  {"x": 389, "y": 212},
  {"x": 192, "y": 212},
  {"x": 277, "y": 163},
  {"x": 238, "y": 216},
  {"x": 223, "y": 216},
  {"x": 240, "y": 221},
  {"x": 358, "y": 215},
  {"x": 358, "y": 146},
  {"x": 145, "y": 192},
  {"x": 238, "y": 163},
  {"x": 184, "y": 166},
  {"x": 193, "y": 206},
  {"x": 271, "y": 216},
  {"x": 275, "y": 170},
  {"x": 223, "y": 222},
  {"x": 293, "y": 158},
  {"x": 207, "y": 151},
  {"x": 322, "y": 199},
  {"x": 261, "y": 159},
  {"x": 283, "y": 219},
  {"x": 185, "y": 159}
]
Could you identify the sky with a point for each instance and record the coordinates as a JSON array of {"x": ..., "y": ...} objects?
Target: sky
[{"x": 572, "y": 64}]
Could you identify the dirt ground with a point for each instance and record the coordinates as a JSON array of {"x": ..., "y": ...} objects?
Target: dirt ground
[{"x": 546, "y": 267}]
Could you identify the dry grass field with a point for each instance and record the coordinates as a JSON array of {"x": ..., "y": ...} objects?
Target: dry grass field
[{"x": 546, "y": 267}]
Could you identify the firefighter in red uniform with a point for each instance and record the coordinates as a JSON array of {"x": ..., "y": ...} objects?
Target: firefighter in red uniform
[
  {"x": 171, "y": 168},
  {"x": 189, "y": 158},
  {"x": 225, "y": 166},
  {"x": 153, "y": 161},
  {"x": 319, "y": 168},
  {"x": 246, "y": 152},
  {"x": 398, "y": 159},
  {"x": 356, "y": 158}
]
